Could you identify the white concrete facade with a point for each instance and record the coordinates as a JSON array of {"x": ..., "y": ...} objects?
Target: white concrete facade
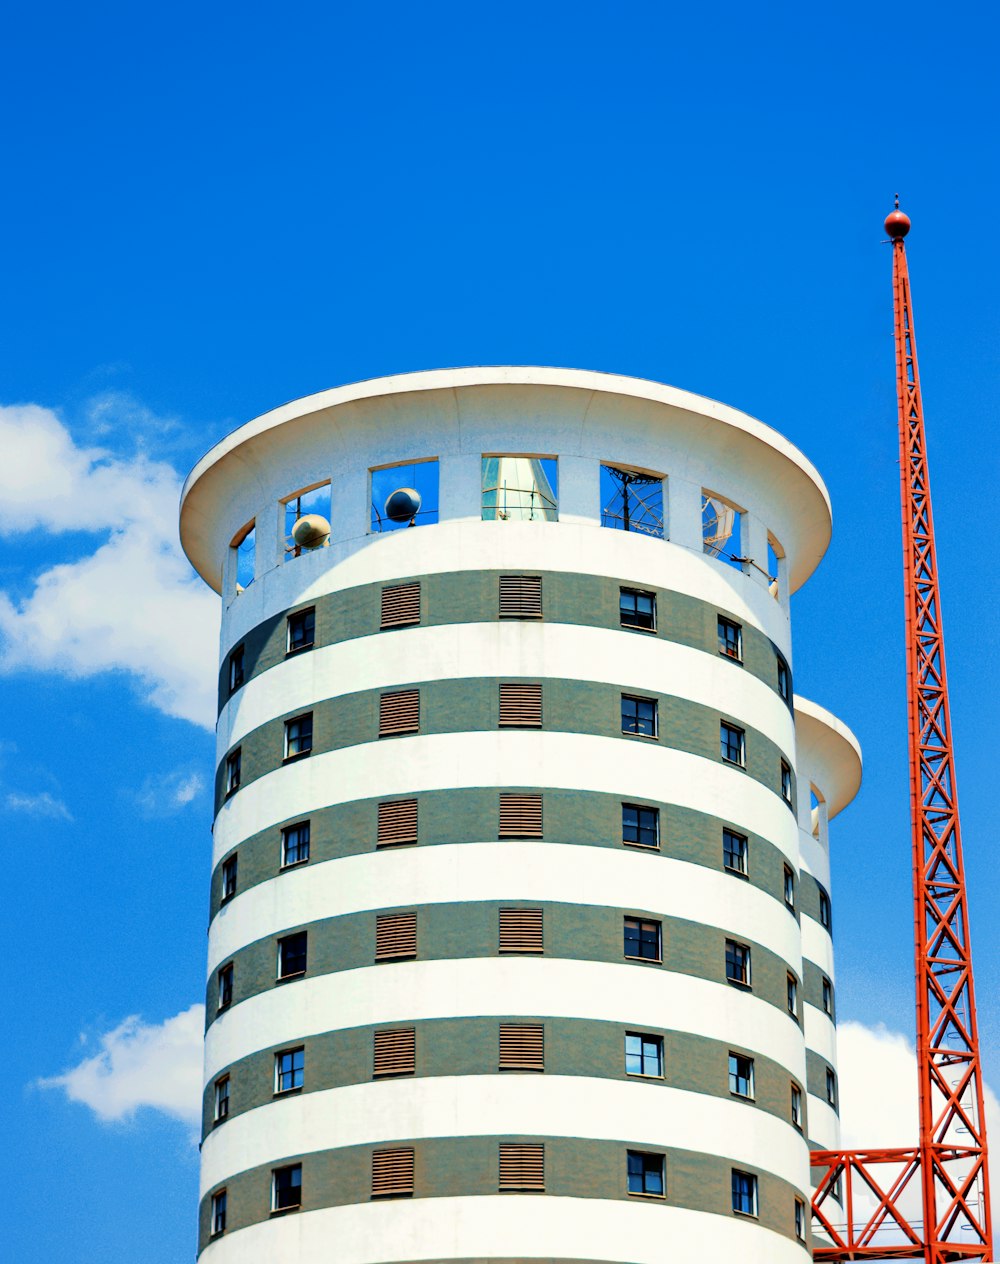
[{"x": 581, "y": 420}]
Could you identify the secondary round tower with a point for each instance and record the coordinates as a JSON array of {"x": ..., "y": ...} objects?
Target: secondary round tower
[{"x": 520, "y": 942}]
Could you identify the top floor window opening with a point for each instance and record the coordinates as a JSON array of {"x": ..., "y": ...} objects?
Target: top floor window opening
[
  {"x": 632, "y": 500},
  {"x": 721, "y": 529},
  {"x": 404, "y": 495},
  {"x": 306, "y": 520},
  {"x": 518, "y": 488},
  {"x": 775, "y": 554},
  {"x": 244, "y": 546}
]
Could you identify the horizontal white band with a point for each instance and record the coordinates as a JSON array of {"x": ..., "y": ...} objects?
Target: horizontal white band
[
  {"x": 511, "y": 546},
  {"x": 413, "y": 991},
  {"x": 820, "y": 1033},
  {"x": 470, "y": 872},
  {"x": 635, "y": 768},
  {"x": 507, "y": 650},
  {"x": 505, "y": 1228},
  {"x": 824, "y": 1123},
  {"x": 817, "y": 946},
  {"x": 506, "y": 1105}
]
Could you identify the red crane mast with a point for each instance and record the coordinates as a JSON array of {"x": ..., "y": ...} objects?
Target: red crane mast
[{"x": 949, "y": 1163}]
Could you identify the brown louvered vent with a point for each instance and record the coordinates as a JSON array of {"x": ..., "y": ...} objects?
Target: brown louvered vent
[
  {"x": 399, "y": 712},
  {"x": 395, "y": 1052},
  {"x": 520, "y": 816},
  {"x": 400, "y": 605},
  {"x": 522, "y": 1166},
  {"x": 520, "y": 596},
  {"x": 397, "y": 822},
  {"x": 521, "y": 706},
  {"x": 392, "y": 1173},
  {"x": 395, "y": 936},
  {"x": 522, "y": 1047},
  {"x": 521, "y": 930}
]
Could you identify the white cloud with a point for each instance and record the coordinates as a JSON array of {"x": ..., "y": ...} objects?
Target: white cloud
[
  {"x": 42, "y": 804},
  {"x": 878, "y": 1093},
  {"x": 164, "y": 795},
  {"x": 133, "y": 604},
  {"x": 141, "y": 1065}
]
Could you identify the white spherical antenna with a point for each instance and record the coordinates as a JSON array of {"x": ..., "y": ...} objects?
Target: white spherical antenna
[
  {"x": 403, "y": 505},
  {"x": 311, "y": 531}
]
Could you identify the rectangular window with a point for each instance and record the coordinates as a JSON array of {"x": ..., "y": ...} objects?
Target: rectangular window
[
  {"x": 643, "y": 1055},
  {"x": 310, "y": 502},
  {"x": 520, "y": 816},
  {"x": 786, "y": 782},
  {"x": 637, "y": 609},
  {"x": 395, "y": 1052},
  {"x": 286, "y": 1187},
  {"x": 638, "y": 715},
  {"x": 721, "y": 529},
  {"x": 824, "y": 910},
  {"x": 642, "y": 939},
  {"x": 735, "y": 852},
  {"x": 640, "y": 826},
  {"x": 521, "y": 706},
  {"x": 400, "y": 605},
  {"x": 732, "y": 741},
  {"x": 397, "y": 823},
  {"x": 792, "y": 996},
  {"x": 632, "y": 500},
  {"x": 289, "y": 1069},
  {"x": 294, "y": 844},
  {"x": 292, "y": 955},
  {"x": 234, "y": 770},
  {"x": 827, "y": 997},
  {"x": 800, "y": 1220},
  {"x": 394, "y": 507},
  {"x": 645, "y": 1173},
  {"x": 236, "y": 676},
  {"x": 784, "y": 680},
  {"x": 738, "y": 963},
  {"x": 522, "y": 1047},
  {"x": 797, "y": 1107},
  {"x": 520, "y": 596},
  {"x": 392, "y": 1173},
  {"x": 298, "y": 736},
  {"x": 225, "y": 977},
  {"x": 395, "y": 936},
  {"x": 789, "y": 888},
  {"x": 245, "y": 555},
  {"x": 730, "y": 639},
  {"x": 831, "y": 1087},
  {"x": 521, "y": 930},
  {"x": 520, "y": 488},
  {"x": 229, "y": 867},
  {"x": 522, "y": 1167},
  {"x": 399, "y": 712},
  {"x": 744, "y": 1193},
  {"x": 301, "y": 631},
  {"x": 221, "y": 1099},
  {"x": 740, "y": 1075},
  {"x": 218, "y": 1213}
]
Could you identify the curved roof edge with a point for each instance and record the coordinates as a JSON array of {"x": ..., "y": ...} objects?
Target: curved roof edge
[{"x": 831, "y": 748}]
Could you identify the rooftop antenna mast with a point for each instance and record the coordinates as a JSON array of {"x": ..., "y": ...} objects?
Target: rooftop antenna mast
[{"x": 950, "y": 1161}]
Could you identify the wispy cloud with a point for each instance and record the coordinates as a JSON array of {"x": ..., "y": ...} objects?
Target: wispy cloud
[
  {"x": 41, "y": 804},
  {"x": 167, "y": 794},
  {"x": 141, "y": 1065},
  {"x": 132, "y": 604}
]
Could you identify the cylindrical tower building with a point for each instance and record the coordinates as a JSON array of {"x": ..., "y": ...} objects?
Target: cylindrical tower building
[{"x": 520, "y": 909}]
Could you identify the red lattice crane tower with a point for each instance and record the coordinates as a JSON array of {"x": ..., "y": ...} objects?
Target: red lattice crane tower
[{"x": 930, "y": 1201}]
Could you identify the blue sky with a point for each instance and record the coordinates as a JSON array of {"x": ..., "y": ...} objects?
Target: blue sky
[{"x": 211, "y": 209}]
